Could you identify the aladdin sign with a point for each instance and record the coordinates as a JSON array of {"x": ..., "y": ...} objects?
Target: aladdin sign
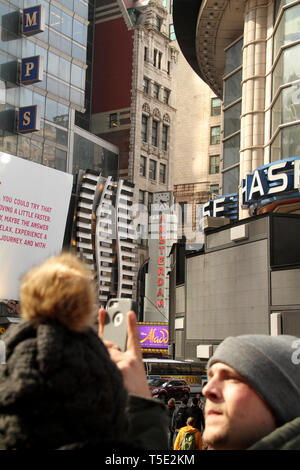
[{"x": 154, "y": 336}]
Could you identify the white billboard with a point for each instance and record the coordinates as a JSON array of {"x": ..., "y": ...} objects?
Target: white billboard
[{"x": 34, "y": 203}]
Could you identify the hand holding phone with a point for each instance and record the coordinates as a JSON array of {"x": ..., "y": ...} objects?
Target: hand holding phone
[
  {"x": 115, "y": 329},
  {"x": 130, "y": 362}
]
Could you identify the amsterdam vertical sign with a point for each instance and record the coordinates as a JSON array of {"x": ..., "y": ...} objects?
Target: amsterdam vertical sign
[{"x": 162, "y": 235}]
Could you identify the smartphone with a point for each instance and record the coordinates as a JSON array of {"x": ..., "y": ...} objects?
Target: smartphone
[{"x": 115, "y": 329}]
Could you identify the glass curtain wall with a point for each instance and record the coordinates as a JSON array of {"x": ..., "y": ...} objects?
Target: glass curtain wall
[
  {"x": 285, "y": 126},
  {"x": 232, "y": 114},
  {"x": 63, "y": 48},
  {"x": 92, "y": 155}
]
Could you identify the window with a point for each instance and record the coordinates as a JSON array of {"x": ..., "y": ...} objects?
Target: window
[
  {"x": 143, "y": 162},
  {"x": 166, "y": 96},
  {"x": 155, "y": 55},
  {"x": 146, "y": 85},
  {"x": 162, "y": 173},
  {"x": 215, "y": 106},
  {"x": 141, "y": 197},
  {"x": 150, "y": 202},
  {"x": 231, "y": 151},
  {"x": 165, "y": 133},
  {"x": 172, "y": 35},
  {"x": 215, "y": 135},
  {"x": 152, "y": 169},
  {"x": 145, "y": 121},
  {"x": 169, "y": 67},
  {"x": 158, "y": 23},
  {"x": 214, "y": 189},
  {"x": 159, "y": 59},
  {"x": 113, "y": 120},
  {"x": 231, "y": 180},
  {"x": 234, "y": 57},
  {"x": 146, "y": 54},
  {"x": 156, "y": 88},
  {"x": 214, "y": 164},
  {"x": 233, "y": 88},
  {"x": 232, "y": 119},
  {"x": 155, "y": 133}
]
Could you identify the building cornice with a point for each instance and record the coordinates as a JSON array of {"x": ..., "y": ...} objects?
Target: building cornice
[{"x": 204, "y": 28}]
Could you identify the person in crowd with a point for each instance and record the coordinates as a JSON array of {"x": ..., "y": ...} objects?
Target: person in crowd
[
  {"x": 197, "y": 413},
  {"x": 171, "y": 409},
  {"x": 180, "y": 415},
  {"x": 253, "y": 394},
  {"x": 59, "y": 388},
  {"x": 188, "y": 437}
]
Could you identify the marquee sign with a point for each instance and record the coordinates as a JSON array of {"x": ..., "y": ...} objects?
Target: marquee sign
[
  {"x": 271, "y": 180},
  {"x": 154, "y": 335},
  {"x": 222, "y": 206}
]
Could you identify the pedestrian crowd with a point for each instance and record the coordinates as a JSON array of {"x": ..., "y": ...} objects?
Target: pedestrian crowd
[
  {"x": 186, "y": 426},
  {"x": 63, "y": 387}
]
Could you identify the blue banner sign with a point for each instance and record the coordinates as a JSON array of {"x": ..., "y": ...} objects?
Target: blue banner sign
[
  {"x": 31, "y": 69},
  {"x": 33, "y": 20},
  {"x": 29, "y": 119},
  {"x": 270, "y": 181},
  {"x": 222, "y": 206}
]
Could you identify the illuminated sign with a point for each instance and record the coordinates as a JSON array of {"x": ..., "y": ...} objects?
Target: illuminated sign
[
  {"x": 154, "y": 336},
  {"x": 29, "y": 119},
  {"x": 161, "y": 263},
  {"x": 31, "y": 69},
  {"x": 271, "y": 180},
  {"x": 33, "y": 20},
  {"x": 222, "y": 206}
]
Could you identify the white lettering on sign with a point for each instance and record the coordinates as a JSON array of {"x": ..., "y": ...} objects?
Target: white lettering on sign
[{"x": 270, "y": 180}]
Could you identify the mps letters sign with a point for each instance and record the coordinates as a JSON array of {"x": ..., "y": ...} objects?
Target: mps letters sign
[
  {"x": 31, "y": 69},
  {"x": 33, "y": 20},
  {"x": 29, "y": 119}
]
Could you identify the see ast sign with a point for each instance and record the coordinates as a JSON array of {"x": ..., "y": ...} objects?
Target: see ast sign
[
  {"x": 268, "y": 182},
  {"x": 271, "y": 180}
]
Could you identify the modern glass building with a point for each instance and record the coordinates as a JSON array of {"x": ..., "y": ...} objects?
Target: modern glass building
[
  {"x": 61, "y": 47},
  {"x": 45, "y": 64}
]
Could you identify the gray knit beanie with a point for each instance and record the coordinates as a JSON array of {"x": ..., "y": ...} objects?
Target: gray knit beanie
[{"x": 271, "y": 366}]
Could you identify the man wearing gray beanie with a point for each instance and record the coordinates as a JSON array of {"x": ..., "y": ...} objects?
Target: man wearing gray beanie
[{"x": 253, "y": 394}]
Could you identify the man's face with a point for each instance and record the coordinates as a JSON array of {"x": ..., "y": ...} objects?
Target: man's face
[{"x": 235, "y": 415}]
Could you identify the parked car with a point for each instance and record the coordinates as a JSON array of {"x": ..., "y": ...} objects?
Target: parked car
[{"x": 166, "y": 388}]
